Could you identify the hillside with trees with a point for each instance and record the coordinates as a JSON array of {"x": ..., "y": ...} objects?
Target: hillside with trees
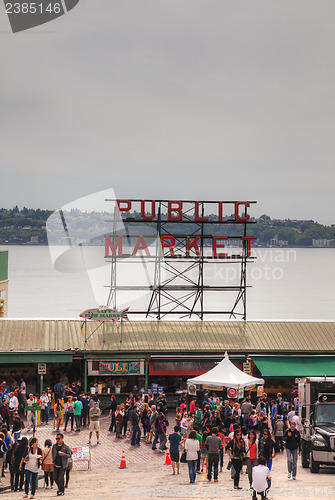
[{"x": 28, "y": 226}]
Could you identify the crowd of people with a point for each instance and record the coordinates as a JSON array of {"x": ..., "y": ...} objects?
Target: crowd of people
[
  {"x": 22, "y": 457},
  {"x": 203, "y": 431}
]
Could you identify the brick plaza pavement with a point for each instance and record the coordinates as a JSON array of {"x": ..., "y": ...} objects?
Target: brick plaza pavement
[
  {"x": 108, "y": 452},
  {"x": 147, "y": 477}
]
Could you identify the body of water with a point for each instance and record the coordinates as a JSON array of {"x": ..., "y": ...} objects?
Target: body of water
[{"x": 285, "y": 284}]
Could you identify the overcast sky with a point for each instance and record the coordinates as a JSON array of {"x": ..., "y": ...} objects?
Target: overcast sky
[{"x": 182, "y": 99}]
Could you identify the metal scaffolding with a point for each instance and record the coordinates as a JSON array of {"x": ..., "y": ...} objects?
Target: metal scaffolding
[{"x": 178, "y": 286}]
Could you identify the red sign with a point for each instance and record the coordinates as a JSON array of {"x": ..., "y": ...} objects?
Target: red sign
[
  {"x": 176, "y": 209},
  {"x": 232, "y": 393}
]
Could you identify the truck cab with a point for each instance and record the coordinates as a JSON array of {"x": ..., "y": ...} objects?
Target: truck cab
[{"x": 317, "y": 421}]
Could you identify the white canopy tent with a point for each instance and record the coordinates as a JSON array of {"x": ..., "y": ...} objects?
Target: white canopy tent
[{"x": 225, "y": 374}]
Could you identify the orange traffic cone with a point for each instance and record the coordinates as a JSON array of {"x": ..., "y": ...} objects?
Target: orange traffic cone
[
  {"x": 167, "y": 458},
  {"x": 123, "y": 464}
]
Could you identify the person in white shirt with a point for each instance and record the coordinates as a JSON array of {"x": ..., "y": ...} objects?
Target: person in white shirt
[
  {"x": 13, "y": 402},
  {"x": 260, "y": 474},
  {"x": 290, "y": 414},
  {"x": 295, "y": 419},
  {"x": 13, "y": 405},
  {"x": 192, "y": 447},
  {"x": 23, "y": 392},
  {"x": 44, "y": 408}
]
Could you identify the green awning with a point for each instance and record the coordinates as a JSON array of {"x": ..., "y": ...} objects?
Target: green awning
[
  {"x": 295, "y": 366},
  {"x": 35, "y": 357}
]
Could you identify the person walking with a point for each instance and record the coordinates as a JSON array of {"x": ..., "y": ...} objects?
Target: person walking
[
  {"x": 144, "y": 419},
  {"x": 292, "y": 445},
  {"x": 19, "y": 473},
  {"x": 13, "y": 406},
  {"x": 175, "y": 439},
  {"x": 48, "y": 406},
  {"x": 31, "y": 457},
  {"x": 251, "y": 446},
  {"x": 135, "y": 424},
  {"x": 47, "y": 464},
  {"x": 84, "y": 410},
  {"x": 44, "y": 408},
  {"x": 261, "y": 476},
  {"x": 192, "y": 448},
  {"x": 61, "y": 453},
  {"x": 245, "y": 410},
  {"x": 185, "y": 425},
  {"x": 17, "y": 426},
  {"x": 274, "y": 413},
  {"x": 162, "y": 432},
  {"x": 10, "y": 460},
  {"x": 58, "y": 412},
  {"x": 154, "y": 419},
  {"x": 31, "y": 415},
  {"x": 69, "y": 413},
  {"x": 213, "y": 444},
  {"x": 112, "y": 411},
  {"x": 267, "y": 449},
  {"x": 95, "y": 413},
  {"x": 236, "y": 451},
  {"x": 119, "y": 414},
  {"x": 77, "y": 407},
  {"x": 279, "y": 432},
  {"x": 3, "y": 450},
  {"x": 204, "y": 452}
]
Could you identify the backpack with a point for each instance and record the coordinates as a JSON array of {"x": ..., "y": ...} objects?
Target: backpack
[{"x": 119, "y": 417}]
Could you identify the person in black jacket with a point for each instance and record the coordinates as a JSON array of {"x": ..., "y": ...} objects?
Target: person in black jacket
[
  {"x": 3, "y": 449},
  {"x": 292, "y": 445},
  {"x": 112, "y": 410},
  {"x": 268, "y": 449},
  {"x": 16, "y": 430},
  {"x": 18, "y": 454},
  {"x": 10, "y": 460},
  {"x": 136, "y": 431},
  {"x": 236, "y": 451},
  {"x": 61, "y": 453}
]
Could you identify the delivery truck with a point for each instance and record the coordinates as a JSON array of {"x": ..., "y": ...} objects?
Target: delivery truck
[{"x": 317, "y": 421}]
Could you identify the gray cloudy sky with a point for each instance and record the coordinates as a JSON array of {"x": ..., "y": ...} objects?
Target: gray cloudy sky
[{"x": 210, "y": 99}]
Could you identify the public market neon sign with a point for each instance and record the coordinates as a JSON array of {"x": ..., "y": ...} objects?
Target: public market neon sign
[{"x": 177, "y": 211}]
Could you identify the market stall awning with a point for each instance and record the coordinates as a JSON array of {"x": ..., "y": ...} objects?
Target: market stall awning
[
  {"x": 226, "y": 374},
  {"x": 295, "y": 366}
]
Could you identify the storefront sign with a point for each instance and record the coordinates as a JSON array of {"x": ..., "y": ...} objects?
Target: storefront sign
[
  {"x": 241, "y": 393},
  {"x": 34, "y": 407},
  {"x": 192, "y": 390},
  {"x": 259, "y": 391},
  {"x": 42, "y": 368},
  {"x": 103, "y": 313},
  {"x": 247, "y": 367},
  {"x": 119, "y": 368},
  {"x": 212, "y": 387},
  {"x": 232, "y": 393}
]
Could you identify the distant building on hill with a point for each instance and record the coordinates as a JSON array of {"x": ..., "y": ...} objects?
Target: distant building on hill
[
  {"x": 323, "y": 243},
  {"x": 275, "y": 242}
]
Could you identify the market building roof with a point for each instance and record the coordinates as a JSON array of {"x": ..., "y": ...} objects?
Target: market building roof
[{"x": 187, "y": 337}]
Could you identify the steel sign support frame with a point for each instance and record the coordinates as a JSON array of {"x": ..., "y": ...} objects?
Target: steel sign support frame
[{"x": 179, "y": 293}]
